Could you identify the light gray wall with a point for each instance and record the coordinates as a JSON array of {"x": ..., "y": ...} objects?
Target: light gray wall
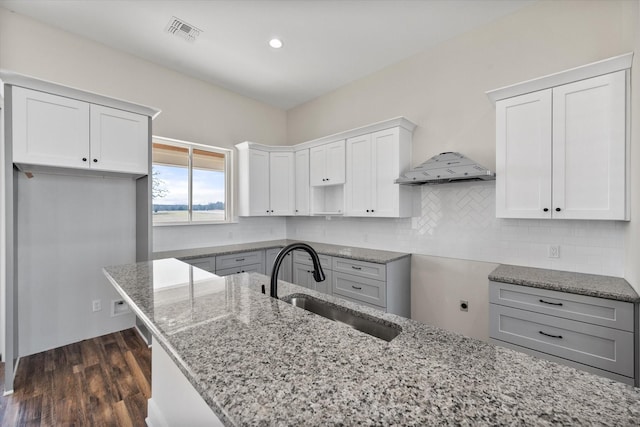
[{"x": 443, "y": 91}]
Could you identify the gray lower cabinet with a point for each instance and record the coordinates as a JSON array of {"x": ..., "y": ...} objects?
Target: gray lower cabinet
[
  {"x": 205, "y": 263},
  {"x": 593, "y": 334},
  {"x": 303, "y": 272},
  {"x": 285, "y": 268},
  {"x": 224, "y": 265}
]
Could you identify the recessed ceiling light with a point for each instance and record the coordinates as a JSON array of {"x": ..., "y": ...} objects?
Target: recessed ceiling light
[{"x": 275, "y": 43}]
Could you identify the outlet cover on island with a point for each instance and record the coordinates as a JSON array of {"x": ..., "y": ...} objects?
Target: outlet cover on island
[
  {"x": 96, "y": 305},
  {"x": 554, "y": 251}
]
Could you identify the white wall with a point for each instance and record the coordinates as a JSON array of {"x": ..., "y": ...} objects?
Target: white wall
[{"x": 443, "y": 91}]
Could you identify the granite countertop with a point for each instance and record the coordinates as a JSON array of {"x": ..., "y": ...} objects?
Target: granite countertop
[
  {"x": 360, "y": 254},
  {"x": 259, "y": 361},
  {"x": 593, "y": 285}
]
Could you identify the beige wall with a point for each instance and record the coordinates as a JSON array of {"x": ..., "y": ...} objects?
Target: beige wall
[
  {"x": 443, "y": 91},
  {"x": 192, "y": 110},
  {"x": 632, "y": 241}
]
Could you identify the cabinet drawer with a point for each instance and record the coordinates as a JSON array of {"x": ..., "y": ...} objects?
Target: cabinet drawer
[
  {"x": 239, "y": 259},
  {"x": 251, "y": 268},
  {"x": 597, "y": 346},
  {"x": 598, "y": 311},
  {"x": 360, "y": 268},
  {"x": 360, "y": 288},
  {"x": 205, "y": 263},
  {"x": 301, "y": 257}
]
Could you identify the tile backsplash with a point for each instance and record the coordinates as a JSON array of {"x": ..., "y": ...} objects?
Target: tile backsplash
[{"x": 458, "y": 221}]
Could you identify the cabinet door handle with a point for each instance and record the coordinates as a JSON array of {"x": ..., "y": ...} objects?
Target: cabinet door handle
[
  {"x": 367, "y": 210},
  {"x": 356, "y": 268},
  {"x": 549, "y": 335},
  {"x": 84, "y": 159},
  {"x": 356, "y": 287},
  {"x": 546, "y": 209},
  {"x": 558, "y": 209},
  {"x": 239, "y": 259},
  {"x": 551, "y": 303},
  {"x": 95, "y": 160}
]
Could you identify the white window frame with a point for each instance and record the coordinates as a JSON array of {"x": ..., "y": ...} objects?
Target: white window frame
[{"x": 228, "y": 181}]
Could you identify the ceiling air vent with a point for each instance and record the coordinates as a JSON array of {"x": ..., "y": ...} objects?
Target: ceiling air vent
[{"x": 178, "y": 27}]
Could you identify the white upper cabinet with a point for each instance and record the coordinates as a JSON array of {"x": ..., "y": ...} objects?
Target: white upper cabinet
[
  {"x": 523, "y": 156},
  {"x": 302, "y": 182},
  {"x": 119, "y": 140},
  {"x": 52, "y": 130},
  {"x": 281, "y": 183},
  {"x": 561, "y": 152},
  {"x": 266, "y": 182},
  {"x": 374, "y": 161},
  {"x": 589, "y": 148},
  {"x": 327, "y": 164},
  {"x": 49, "y": 129}
]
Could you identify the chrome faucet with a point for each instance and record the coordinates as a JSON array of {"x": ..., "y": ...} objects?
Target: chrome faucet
[{"x": 318, "y": 274}]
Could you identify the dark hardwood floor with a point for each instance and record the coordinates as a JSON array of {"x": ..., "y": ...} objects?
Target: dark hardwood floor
[{"x": 104, "y": 381}]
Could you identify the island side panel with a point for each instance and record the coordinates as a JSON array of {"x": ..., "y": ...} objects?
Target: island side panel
[{"x": 174, "y": 401}]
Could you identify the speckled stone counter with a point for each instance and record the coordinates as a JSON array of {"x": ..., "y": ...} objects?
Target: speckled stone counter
[
  {"x": 256, "y": 360},
  {"x": 360, "y": 254},
  {"x": 565, "y": 281}
]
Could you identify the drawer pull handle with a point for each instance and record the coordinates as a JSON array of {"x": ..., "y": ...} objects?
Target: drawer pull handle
[
  {"x": 356, "y": 268},
  {"x": 549, "y": 335},
  {"x": 559, "y": 304},
  {"x": 356, "y": 287},
  {"x": 239, "y": 259}
]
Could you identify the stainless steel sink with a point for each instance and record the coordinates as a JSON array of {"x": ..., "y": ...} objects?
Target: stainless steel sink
[{"x": 360, "y": 321}]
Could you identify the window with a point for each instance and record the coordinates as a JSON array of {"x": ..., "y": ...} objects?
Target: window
[{"x": 190, "y": 183}]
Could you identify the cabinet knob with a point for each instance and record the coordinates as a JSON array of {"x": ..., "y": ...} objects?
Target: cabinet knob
[
  {"x": 546, "y": 209},
  {"x": 84, "y": 159},
  {"x": 372, "y": 210},
  {"x": 95, "y": 160},
  {"x": 367, "y": 210},
  {"x": 558, "y": 209}
]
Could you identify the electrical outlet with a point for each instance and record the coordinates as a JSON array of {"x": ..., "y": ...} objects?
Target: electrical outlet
[
  {"x": 96, "y": 305},
  {"x": 464, "y": 305},
  {"x": 554, "y": 251}
]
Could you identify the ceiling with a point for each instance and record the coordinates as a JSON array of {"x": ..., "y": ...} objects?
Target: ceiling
[{"x": 327, "y": 43}]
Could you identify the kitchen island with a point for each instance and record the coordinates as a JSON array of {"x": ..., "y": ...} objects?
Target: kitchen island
[{"x": 256, "y": 360}]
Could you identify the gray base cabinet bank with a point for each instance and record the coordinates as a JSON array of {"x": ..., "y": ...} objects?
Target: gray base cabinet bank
[
  {"x": 382, "y": 285},
  {"x": 594, "y": 334}
]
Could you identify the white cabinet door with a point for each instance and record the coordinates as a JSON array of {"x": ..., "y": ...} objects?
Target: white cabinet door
[
  {"x": 317, "y": 165},
  {"x": 523, "y": 156},
  {"x": 281, "y": 183},
  {"x": 258, "y": 171},
  {"x": 360, "y": 176},
  {"x": 335, "y": 163},
  {"x": 49, "y": 129},
  {"x": 386, "y": 157},
  {"x": 327, "y": 164},
  {"x": 119, "y": 140},
  {"x": 589, "y": 144},
  {"x": 302, "y": 182},
  {"x": 374, "y": 161}
]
